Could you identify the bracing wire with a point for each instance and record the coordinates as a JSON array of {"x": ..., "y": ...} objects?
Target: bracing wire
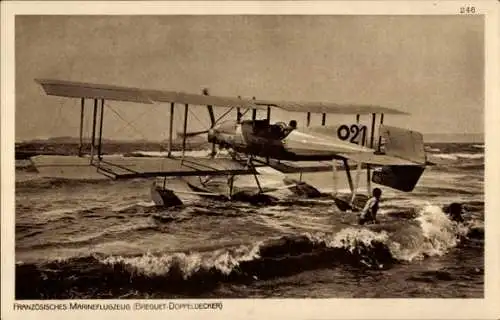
[
  {"x": 224, "y": 114},
  {"x": 131, "y": 122},
  {"x": 130, "y": 125},
  {"x": 196, "y": 117},
  {"x": 58, "y": 117},
  {"x": 244, "y": 113}
]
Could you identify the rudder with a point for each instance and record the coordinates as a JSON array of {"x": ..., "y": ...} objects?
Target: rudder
[{"x": 403, "y": 143}]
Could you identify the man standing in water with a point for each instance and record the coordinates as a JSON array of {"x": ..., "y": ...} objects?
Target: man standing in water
[{"x": 369, "y": 212}]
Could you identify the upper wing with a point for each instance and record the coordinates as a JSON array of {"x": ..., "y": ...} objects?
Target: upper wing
[
  {"x": 93, "y": 91},
  {"x": 328, "y": 107},
  {"x": 129, "y": 94}
]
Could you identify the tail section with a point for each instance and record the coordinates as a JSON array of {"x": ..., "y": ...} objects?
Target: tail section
[
  {"x": 404, "y": 144},
  {"x": 400, "y": 155}
]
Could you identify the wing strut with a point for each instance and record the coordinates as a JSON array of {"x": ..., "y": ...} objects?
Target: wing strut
[
  {"x": 186, "y": 108},
  {"x": 254, "y": 112},
  {"x": 82, "y": 113},
  {"x": 368, "y": 169},
  {"x": 379, "y": 135},
  {"x": 170, "y": 129},
  {"x": 238, "y": 115},
  {"x": 92, "y": 143},
  {"x": 99, "y": 149}
]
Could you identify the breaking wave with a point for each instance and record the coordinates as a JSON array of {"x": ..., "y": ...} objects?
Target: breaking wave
[
  {"x": 458, "y": 156},
  {"x": 431, "y": 149},
  {"x": 375, "y": 247}
]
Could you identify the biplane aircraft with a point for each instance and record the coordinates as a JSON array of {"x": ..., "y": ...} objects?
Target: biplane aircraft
[{"x": 397, "y": 155}]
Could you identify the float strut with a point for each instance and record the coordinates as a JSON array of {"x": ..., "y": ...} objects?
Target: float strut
[
  {"x": 251, "y": 166},
  {"x": 348, "y": 173}
]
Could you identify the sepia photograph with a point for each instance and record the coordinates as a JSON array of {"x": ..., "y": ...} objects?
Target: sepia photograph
[{"x": 247, "y": 156}]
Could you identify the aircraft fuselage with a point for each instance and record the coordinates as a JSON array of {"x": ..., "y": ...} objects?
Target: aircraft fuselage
[{"x": 279, "y": 141}]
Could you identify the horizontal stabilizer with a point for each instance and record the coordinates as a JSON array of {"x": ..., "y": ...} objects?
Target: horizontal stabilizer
[{"x": 377, "y": 159}]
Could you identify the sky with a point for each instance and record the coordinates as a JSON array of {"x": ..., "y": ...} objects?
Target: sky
[{"x": 429, "y": 66}]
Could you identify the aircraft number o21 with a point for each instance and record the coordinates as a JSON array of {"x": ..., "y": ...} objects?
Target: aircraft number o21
[{"x": 344, "y": 132}]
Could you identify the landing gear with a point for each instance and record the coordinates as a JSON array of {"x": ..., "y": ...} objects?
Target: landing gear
[
  {"x": 252, "y": 167},
  {"x": 252, "y": 197},
  {"x": 249, "y": 165},
  {"x": 354, "y": 201}
]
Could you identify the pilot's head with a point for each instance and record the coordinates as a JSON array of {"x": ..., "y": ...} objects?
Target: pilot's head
[
  {"x": 377, "y": 193},
  {"x": 293, "y": 124}
]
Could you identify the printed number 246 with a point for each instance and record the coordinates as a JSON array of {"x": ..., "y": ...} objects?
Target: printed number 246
[{"x": 468, "y": 9}]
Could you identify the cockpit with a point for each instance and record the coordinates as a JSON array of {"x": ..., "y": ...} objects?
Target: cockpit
[{"x": 277, "y": 131}]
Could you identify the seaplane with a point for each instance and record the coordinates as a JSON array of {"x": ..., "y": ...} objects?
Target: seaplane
[{"x": 391, "y": 156}]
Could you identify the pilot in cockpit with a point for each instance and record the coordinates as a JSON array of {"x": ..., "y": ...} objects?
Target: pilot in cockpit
[{"x": 280, "y": 130}]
